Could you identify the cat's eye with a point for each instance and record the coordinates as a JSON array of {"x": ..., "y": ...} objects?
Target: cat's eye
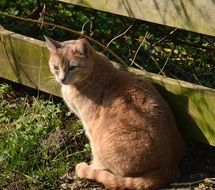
[
  {"x": 71, "y": 68},
  {"x": 56, "y": 67}
]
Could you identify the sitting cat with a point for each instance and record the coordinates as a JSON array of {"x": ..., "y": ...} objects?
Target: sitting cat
[{"x": 133, "y": 135}]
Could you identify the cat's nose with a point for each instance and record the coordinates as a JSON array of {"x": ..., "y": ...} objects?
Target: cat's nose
[
  {"x": 62, "y": 79},
  {"x": 62, "y": 76}
]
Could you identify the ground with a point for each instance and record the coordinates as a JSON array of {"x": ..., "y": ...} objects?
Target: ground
[
  {"x": 41, "y": 142},
  {"x": 197, "y": 171}
]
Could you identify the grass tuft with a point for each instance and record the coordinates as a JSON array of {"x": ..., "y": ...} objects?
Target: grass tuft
[{"x": 39, "y": 140}]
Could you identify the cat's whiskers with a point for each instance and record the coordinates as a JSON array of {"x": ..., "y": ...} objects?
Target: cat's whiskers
[{"x": 51, "y": 82}]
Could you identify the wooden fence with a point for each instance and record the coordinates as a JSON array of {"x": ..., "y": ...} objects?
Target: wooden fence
[
  {"x": 193, "y": 15},
  {"x": 25, "y": 60}
]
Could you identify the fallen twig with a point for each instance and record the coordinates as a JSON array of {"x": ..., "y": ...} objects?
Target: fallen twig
[{"x": 210, "y": 180}]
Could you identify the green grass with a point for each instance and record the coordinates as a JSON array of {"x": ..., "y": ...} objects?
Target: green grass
[{"x": 39, "y": 141}]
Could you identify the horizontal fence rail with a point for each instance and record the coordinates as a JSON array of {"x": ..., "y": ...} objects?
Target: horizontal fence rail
[
  {"x": 194, "y": 15},
  {"x": 25, "y": 60}
]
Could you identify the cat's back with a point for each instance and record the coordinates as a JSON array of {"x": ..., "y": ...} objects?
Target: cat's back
[
  {"x": 128, "y": 91},
  {"x": 135, "y": 114}
]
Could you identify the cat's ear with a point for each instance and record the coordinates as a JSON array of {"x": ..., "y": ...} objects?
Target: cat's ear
[
  {"x": 52, "y": 45},
  {"x": 83, "y": 47}
]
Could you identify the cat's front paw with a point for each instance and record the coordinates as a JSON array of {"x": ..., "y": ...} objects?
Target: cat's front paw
[{"x": 82, "y": 169}]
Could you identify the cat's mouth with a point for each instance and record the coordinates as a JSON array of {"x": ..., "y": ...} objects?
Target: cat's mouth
[
  {"x": 66, "y": 82},
  {"x": 62, "y": 81}
]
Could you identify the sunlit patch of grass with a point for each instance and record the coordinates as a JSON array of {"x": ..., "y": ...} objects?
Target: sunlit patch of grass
[{"x": 39, "y": 140}]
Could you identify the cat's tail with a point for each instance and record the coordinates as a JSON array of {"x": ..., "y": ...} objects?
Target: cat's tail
[{"x": 151, "y": 180}]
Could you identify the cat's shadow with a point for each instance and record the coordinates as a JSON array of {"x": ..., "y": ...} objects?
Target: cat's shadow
[{"x": 179, "y": 105}]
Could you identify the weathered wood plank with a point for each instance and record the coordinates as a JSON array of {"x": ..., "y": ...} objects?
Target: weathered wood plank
[
  {"x": 25, "y": 60},
  {"x": 193, "y": 105},
  {"x": 193, "y": 15}
]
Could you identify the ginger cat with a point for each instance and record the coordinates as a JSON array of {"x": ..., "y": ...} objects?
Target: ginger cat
[{"x": 133, "y": 135}]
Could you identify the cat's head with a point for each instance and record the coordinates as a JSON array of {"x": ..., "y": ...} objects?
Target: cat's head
[{"x": 70, "y": 61}]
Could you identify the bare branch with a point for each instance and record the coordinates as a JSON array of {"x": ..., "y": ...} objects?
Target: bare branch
[
  {"x": 161, "y": 71},
  {"x": 122, "y": 62},
  {"x": 162, "y": 39},
  {"x": 118, "y": 36},
  {"x": 143, "y": 41}
]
